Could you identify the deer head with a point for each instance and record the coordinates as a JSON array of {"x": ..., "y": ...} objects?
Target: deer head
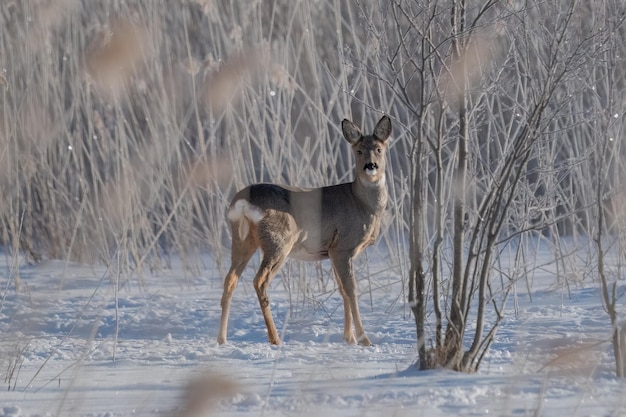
[{"x": 369, "y": 151}]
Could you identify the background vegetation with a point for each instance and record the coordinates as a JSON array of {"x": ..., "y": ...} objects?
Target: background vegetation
[{"x": 125, "y": 126}]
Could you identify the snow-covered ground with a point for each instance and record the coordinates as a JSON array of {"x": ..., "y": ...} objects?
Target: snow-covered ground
[{"x": 70, "y": 347}]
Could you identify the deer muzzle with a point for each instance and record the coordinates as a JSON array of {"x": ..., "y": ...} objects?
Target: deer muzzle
[{"x": 371, "y": 168}]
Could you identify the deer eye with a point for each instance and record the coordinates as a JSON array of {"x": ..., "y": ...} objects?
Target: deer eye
[
  {"x": 379, "y": 150},
  {"x": 360, "y": 152}
]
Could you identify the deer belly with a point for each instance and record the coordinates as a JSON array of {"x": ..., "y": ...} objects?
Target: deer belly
[{"x": 302, "y": 253}]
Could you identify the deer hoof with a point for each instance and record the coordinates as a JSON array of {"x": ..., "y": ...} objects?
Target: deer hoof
[
  {"x": 364, "y": 341},
  {"x": 274, "y": 341}
]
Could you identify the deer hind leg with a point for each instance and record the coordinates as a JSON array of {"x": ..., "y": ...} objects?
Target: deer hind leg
[
  {"x": 342, "y": 264},
  {"x": 267, "y": 271},
  {"x": 276, "y": 237},
  {"x": 242, "y": 251}
]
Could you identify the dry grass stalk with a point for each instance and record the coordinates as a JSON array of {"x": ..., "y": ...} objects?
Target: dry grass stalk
[
  {"x": 575, "y": 358},
  {"x": 203, "y": 393},
  {"x": 116, "y": 55},
  {"x": 224, "y": 86}
]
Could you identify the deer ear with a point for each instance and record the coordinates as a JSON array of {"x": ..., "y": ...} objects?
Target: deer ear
[
  {"x": 383, "y": 129},
  {"x": 351, "y": 132}
]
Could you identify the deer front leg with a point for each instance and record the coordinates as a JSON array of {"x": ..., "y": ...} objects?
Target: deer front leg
[{"x": 342, "y": 264}]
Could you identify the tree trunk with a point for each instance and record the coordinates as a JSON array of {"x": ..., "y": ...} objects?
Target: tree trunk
[
  {"x": 618, "y": 347},
  {"x": 417, "y": 293},
  {"x": 456, "y": 325}
]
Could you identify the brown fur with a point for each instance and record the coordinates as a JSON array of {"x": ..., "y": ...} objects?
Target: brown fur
[{"x": 335, "y": 222}]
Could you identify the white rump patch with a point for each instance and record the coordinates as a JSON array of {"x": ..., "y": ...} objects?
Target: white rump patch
[{"x": 243, "y": 209}]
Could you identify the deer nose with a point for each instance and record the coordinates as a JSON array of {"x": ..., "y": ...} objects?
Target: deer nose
[{"x": 371, "y": 166}]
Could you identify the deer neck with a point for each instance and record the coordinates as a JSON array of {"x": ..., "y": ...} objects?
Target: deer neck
[{"x": 373, "y": 195}]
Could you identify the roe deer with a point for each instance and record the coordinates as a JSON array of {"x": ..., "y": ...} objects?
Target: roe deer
[{"x": 335, "y": 222}]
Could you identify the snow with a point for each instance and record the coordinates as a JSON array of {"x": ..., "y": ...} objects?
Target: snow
[{"x": 77, "y": 349}]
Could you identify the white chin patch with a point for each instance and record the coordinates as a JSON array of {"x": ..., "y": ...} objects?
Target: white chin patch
[{"x": 371, "y": 172}]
